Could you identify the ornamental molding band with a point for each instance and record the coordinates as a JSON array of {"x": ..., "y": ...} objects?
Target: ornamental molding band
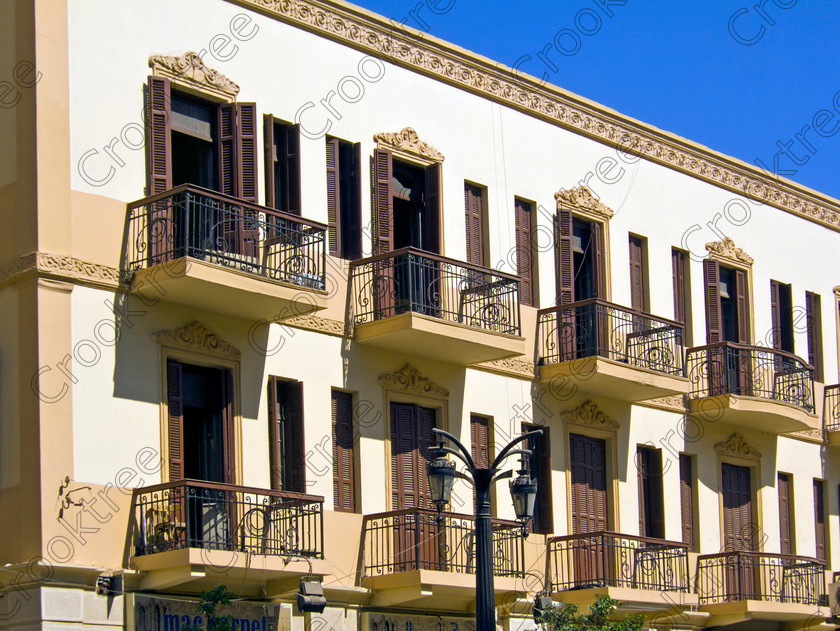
[
  {"x": 190, "y": 69},
  {"x": 426, "y": 55},
  {"x": 582, "y": 197},
  {"x": 510, "y": 366},
  {"x": 408, "y": 379},
  {"x": 407, "y": 141},
  {"x": 675, "y": 403},
  {"x": 590, "y": 415},
  {"x": 317, "y": 323},
  {"x": 62, "y": 267},
  {"x": 726, "y": 250},
  {"x": 736, "y": 446},
  {"x": 808, "y": 435},
  {"x": 196, "y": 337}
]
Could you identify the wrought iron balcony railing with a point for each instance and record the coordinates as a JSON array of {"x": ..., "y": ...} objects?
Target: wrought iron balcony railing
[
  {"x": 608, "y": 559},
  {"x": 831, "y": 410},
  {"x": 596, "y": 328},
  {"x": 732, "y": 576},
  {"x": 192, "y": 221},
  {"x": 421, "y": 282},
  {"x": 211, "y": 516},
  {"x": 420, "y": 539},
  {"x": 751, "y": 371}
]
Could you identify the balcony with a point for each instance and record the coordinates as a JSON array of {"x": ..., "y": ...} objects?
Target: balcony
[
  {"x": 416, "y": 558},
  {"x": 602, "y": 348},
  {"x": 211, "y": 251},
  {"x": 186, "y": 530},
  {"x": 831, "y": 414},
  {"x": 422, "y": 304},
  {"x": 755, "y": 387},
  {"x": 750, "y": 586},
  {"x": 643, "y": 574}
]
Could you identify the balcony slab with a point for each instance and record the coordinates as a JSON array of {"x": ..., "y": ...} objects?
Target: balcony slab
[
  {"x": 419, "y": 335},
  {"x": 758, "y": 613},
  {"x": 618, "y": 380},
  {"x": 225, "y": 289},
  {"x": 754, "y": 413},
  {"x": 631, "y": 600}
]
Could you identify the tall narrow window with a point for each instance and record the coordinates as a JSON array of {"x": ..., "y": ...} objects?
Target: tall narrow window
[
  {"x": 651, "y": 507},
  {"x": 282, "y": 165},
  {"x": 526, "y": 260},
  {"x": 687, "y": 490},
  {"x": 682, "y": 290},
  {"x": 819, "y": 519},
  {"x": 727, "y": 303},
  {"x": 579, "y": 258},
  {"x": 475, "y": 215},
  {"x": 479, "y": 427},
  {"x": 539, "y": 466},
  {"x": 638, "y": 273},
  {"x": 344, "y": 478},
  {"x": 786, "y": 523},
  {"x": 344, "y": 198},
  {"x": 781, "y": 305},
  {"x": 813, "y": 319},
  {"x": 588, "y": 470},
  {"x": 285, "y": 435}
]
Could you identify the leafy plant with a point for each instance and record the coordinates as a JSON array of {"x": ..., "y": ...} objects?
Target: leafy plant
[
  {"x": 567, "y": 618},
  {"x": 219, "y": 596}
]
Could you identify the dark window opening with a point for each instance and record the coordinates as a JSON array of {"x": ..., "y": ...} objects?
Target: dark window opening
[
  {"x": 781, "y": 302},
  {"x": 193, "y": 142},
  {"x": 285, "y": 435},
  {"x": 349, "y": 199},
  {"x": 651, "y": 503},
  {"x": 583, "y": 252},
  {"x": 409, "y": 188},
  {"x": 813, "y": 319},
  {"x": 204, "y": 439},
  {"x": 539, "y": 467},
  {"x": 728, "y": 305}
]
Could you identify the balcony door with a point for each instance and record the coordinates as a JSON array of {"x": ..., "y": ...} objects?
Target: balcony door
[
  {"x": 417, "y": 534},
  {"x": 727, "y": 320},
  {"x": 736, "y": 488},
  {"x": 589, "y": 508}
]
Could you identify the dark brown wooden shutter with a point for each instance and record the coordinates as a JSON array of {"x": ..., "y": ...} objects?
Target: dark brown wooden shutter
[
  {"x": 742, "y": 306},
  {"x": 291, "y": 162},
  {"x": 819, "y": 519},
  {"x": 295, "y": 464},
  {"x": 425, "y": 440},
  {"x": 641, "y": 464},
  {"x": 344, "y": 492},
  {"x": 564, "y": 257},
  {"x": 637, "y": 288},
  {"x": 473, "y": 218},
  {"x": 522, "y": 214},
  {"x": 813, "y": 319},
  {"x": 411, "y": 438},
  {"x": 687, "y": 500},
  {"x": 433, "y": 206},
  {"x": 589, "y": 483},
  {"x": 383, "y": 201},
  {"x": 480, "y": 440},
  {"x": 678, "y": 276},
  {"x": 227, "y": 150},
  {"x": 159, "y": 137},
  {"x": 711, "y": 278},
  {"x": 598, "y": 260},
  {"x": 776, "y": 316},
  {"x": 269, "y": 159},
  {"x": 737, "y": 508},
  {"x": 247, "y": 152},
  {"x": 651, "y": 509},
  {"x": 274, "y": 433},
  {"x": 785, "y": 524},
  {"x": 175, "y": 413},
  {"x": 333, "y": 197}
]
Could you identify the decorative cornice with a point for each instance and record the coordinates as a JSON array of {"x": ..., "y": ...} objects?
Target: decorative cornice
[
  {"x": 674, "y": 403},
  {"x": 407, "y": 141},
  {"x": 511, "y": 366},
  {"x": 808, "y": 435},
  {"x": 736, "y": 446},
  {"x": 581, "y": 197},
  {"x": 190, "y": 69},
  {"x": 408, "y": 379},
  {"x": 196, "y": 337},
  {"x": 417, "y": 51},
  {"x": 726, "y": 250},
  {"x": 590, "y": 415},
  {"x": 317, "y": 323},
  {"x": 61, "y": 266}
]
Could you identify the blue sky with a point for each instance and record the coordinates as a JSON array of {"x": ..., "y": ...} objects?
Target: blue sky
[{"x": 678, "y": 66}]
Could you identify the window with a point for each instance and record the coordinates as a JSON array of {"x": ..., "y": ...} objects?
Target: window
[
  {"x": 781, "y": 305},
  {"x": 737, "y": 508},
  {"x": 476, "y": 218},
  {"x": 813, "y": 319},
  {"x": 282, "y": 165},
  {"x": 344, "y": 198},
  {"x": 651, "y": 507},
  {"x": 688, "y": 489},
  {"x": 639, "y": 298},
  {"x": 526, "y": 259},
  {"x": 479, "y": 428},
  {"x": 344, "y": 478},
  {"x": 786, "y": 523},
  {"x": 285, "y": 435},
  {"x": 819, "y": 520},
  {"x": 682, "y": 290},
  {"x": 406, "y": 204},
  {"x": 588, "y": 470},
  {"x": 579, "y": 258},
  {"x": 539, "y": 467},
  {"x": 727, "y": 303}
]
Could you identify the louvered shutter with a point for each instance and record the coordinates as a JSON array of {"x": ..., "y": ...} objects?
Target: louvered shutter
[
  {"x": 743, "y": 306},
  {"x": 819, "y": 519},
  {"x": 247, "y": 152},
  {"x": 159, "y": 137},
  {"x": 589, "y": 484},
  {"x": 175, "y": 414},
  {"x": 776, "y": 316},
  {"x": 433, "y": 207},
  {"x": 333, "y": 198},
  {"x": 344, "y": 492},
  {"x": 269, "y": 160},
  {"x": 641, "y": 467},
  {"x": 564, "y": 257},
  {"x": 472, "y": 213},
  {"x": 544, "y": 505},
  {"x": 425, "y": 424},
  {"x": 687, "y": 500},
  {"x": 479, "y": 438},
  {"x": 711, "y": 277},
  {"x": 383, "y": 201},
  {"x": 226, "y": 150},
  {"x": 784, "y": 513},
  {"x": 274, "y": 433},
  {"x": 228, "y": 434},
  {"x": 657, "y": 500},
  {"x": 678, "y": 277},
  {"x": 737, "y": 508},
  {"x": 599, "y": 261},
  {"x": 403, "y": 489},
  {"x": 291, "y": 163},
  {"x": 295, "y": 464},
  {"x": 637, "y": 295},
  {"x": 813, "y": 319},
  {"x": 524, "y": 267}
]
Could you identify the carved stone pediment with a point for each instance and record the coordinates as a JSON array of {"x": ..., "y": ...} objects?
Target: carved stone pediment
[
  {"x": 590, "y": 415},
  {"x": 196, "y": 337},
  {"x": 726, "y": 250},
  {"x": 189, "y": 69},
  {"x": 408, "y": 379},
  {"x": 736, "y": 446},
  {"x": 581, "y": 197},
  {"x": 407, "y": 141}
]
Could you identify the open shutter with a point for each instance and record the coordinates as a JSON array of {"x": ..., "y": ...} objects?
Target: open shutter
[
  {"x": 478, "y": 436},
  {"x": 784, "y": 513},
  {"x": 564, "y": 273},
  {"x": 383, "y": 201},
  {"x": 472, "y": 212},
  {"x": 686, "y": 500},
  {"x": 344, "y": 495},
  {"x": 295, "y": 464},
  {"x": 599, "y": 484},
  {"x": 247, "y": 157},
  {"x": 711, "y": 277},
  {"x": 274, "y": 434},
  {"x": 425, "y": 440},
  {"x": 333, "y": 198},
  {"x": 819, "y": 519},
  {"x": 522, "y": 225},
  {"x": 433, "y": 207},
  {"x": 291, "y": 163},
  {"x": 158, "y": 141},
  {"x": 599, "y": 261},
  {"x": 637, "y": 291},
  {"x": 229, "y": 447},
  {"x": 776, "y": 316},
  {"x": 226, "y": 150},
  {"x": 813, "y": 319},
  {"x": 742, "y": 305},
  {"x": 175, "y": 412},
  {"x": 269, "y": 159},
  {"x": 678, "y": 277},
  {"x": 641, "y": 474},
  {"x": 404, "y": 450}
]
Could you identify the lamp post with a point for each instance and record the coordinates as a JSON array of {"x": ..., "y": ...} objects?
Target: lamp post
[{"x": 523, "y": 490}]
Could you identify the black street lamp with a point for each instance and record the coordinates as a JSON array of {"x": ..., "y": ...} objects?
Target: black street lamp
[{"x": 523, "y": 490}]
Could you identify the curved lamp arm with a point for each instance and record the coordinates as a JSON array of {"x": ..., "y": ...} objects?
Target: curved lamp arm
[
  {"x": 507, "y": 450},
  {"x": 464, "y": 454}
]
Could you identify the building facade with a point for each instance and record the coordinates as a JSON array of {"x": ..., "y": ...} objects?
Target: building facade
[{"x": 238, "y": 292}]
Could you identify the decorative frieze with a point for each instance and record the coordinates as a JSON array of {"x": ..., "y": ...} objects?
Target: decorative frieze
[
  {"x": 407, "y": 141},
  {"x": 190, "y": 69},
  {"x": 317, "y": 323},
  {"x": 726, "y": 250},
  {"x": 61, "y": 266},
  {"x": 590, "y": 415},
  {"x": 510, "y": 366},
  {"x": 581, "y": 197},
  {"x": 196, "y": 337},
  {"x": 408, "y": 379}
]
